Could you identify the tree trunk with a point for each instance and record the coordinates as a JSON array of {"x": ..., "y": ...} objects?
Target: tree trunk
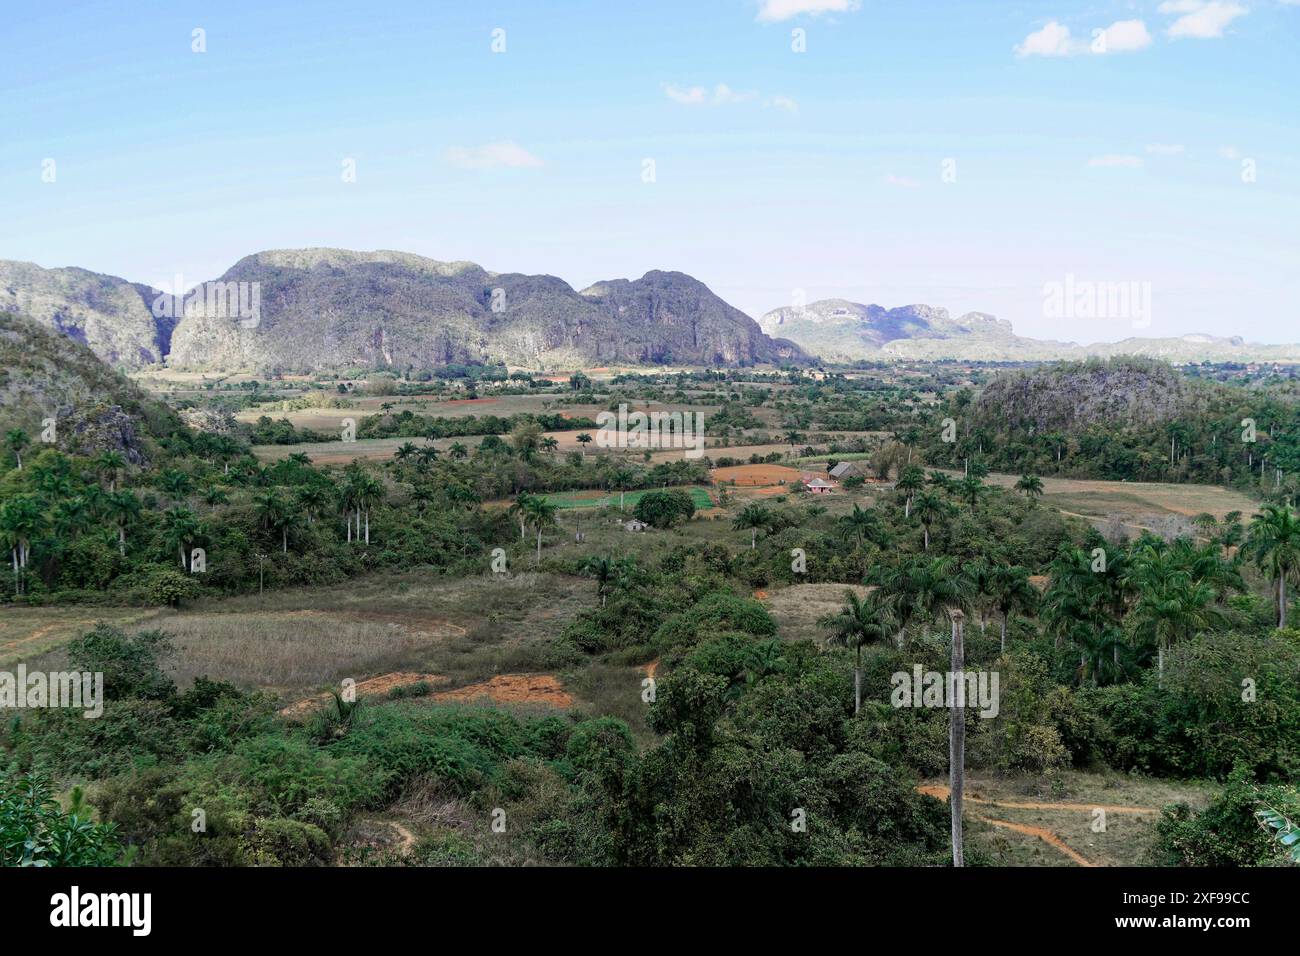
[
  {"x": 539, "y": 543},
  {"x": 753, "y": 539},
  {"x": 1004, "y": 632},
  {"x": 1281, "y": 601},
  {"x": 957, "y": 740},
  {"x": 927, "y": 538},
  {"x": 121, "y": 540},
  {"x": 857, "y": 682},
  {"x": 284, "y": 540},
  {"x": 181, "y": 549}
]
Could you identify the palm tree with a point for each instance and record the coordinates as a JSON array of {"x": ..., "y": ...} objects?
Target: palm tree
[
  {"x": 174, "y": 484},
  {"x": 369, "y": 492},
  {"x": 405, "y": 452},
  {"x": 124, "y": 508},
  {"x": 1031, "y": 486},
  {"x": 274, "y": 515},
  {"x": 22, "y": 518},
  {"x": 312, "y": 500},
  {"x": 971, "y": 488},
  {"x": 584, "y": 439},
  {"x": 179, "y": 528},
  {"x": 1274, "y": 544},
  {"x": 605, "y": 571},
  {"x": 213, "y": 495},
  {"x": 753, "y": 517},
  {"x": 621, "y": 478},
  {"x": 110, "y": 463},
  {"x": 861, "y": 621},
  {"x": 16, "y": 440},
  {"x": 1170, "y": 603},
  {"x": 541, "y": 514},
  {"x": 793, "y": 438},
  {"x": 520, "y": 510},
  {"x": 458, "y": 451},
  {"x": 1010, "y": 590},
  {"x": 957, "y": 741},
  {"x": 929, "y": 509},
  {"x": 549, "y": 445},
  {"x": 71, "y": 516},
  {"x": 910, "y": 482}
]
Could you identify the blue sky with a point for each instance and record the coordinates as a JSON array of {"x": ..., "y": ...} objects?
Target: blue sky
[{"x": 1167, "y": 151}]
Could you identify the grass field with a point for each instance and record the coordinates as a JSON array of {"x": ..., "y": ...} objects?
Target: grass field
[
  {"x": 27, "y": 632},
  {"x": 1054, "y": 821}
]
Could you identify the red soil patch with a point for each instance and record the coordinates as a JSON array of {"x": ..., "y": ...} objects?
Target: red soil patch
[
  {"x": 1040, "y": 581},
  {"x": 756, "y": 476},
  {"x": 375, "y": 686},
  {"x": 514, "y": 689},
  {"x": 760, "y": 595},
  {"x": 652, "y": 668}
]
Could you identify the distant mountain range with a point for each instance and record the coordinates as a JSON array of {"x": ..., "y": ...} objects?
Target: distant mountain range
[
  {"x": 841, "y": 331},
  {"x": 320, "y": 309},
  {"x": 308, "y": 310}
]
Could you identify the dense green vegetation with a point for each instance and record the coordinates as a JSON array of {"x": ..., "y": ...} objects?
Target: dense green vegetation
[{"x": 1162, "y": 656}]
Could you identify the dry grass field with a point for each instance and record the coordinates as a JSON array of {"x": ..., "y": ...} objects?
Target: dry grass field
[{"x": 1054, "y": 821}]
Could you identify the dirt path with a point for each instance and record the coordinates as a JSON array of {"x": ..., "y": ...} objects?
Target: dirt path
[{"x": 940, "y": 792}]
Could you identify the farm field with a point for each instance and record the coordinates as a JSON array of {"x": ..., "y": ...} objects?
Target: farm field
[{"x": 599, "y": 499}]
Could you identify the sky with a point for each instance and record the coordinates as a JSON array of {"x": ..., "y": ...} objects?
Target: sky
[{"x": 968, "y": 154}]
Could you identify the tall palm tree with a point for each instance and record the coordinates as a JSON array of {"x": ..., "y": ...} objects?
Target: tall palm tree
[
  {"x": 605, "y": 571},
  {"x": 755, "y": 518},
  {"x": 16, "y": 440},
  {"x": 369, "y": 493},
  {"x": 1010, "y": 590},
  {"x": 971, "y": 489},
  {"x": 22, "y": 518},
  {"x": 1031, "y": 486},
  {"x": 929, "y": 509},
  {"x": 541, "y": 514},
  {"x": 1170, "y": 603},
  {"x": 520, "y": 510},
  {"x": 109, "y": 463},
  {"x": 584, "y": 439},
  {"x": 458, "y": 451},
  {"x": 274, "y": 515},
  {"x": 175, "y": 484},
  {"x": 405, "y": 452},
  {"x": 214, "y": 495},
  {"x": 909, "y": 483},
  {"x": 868, "y": 620},
  {"x": 1274, "y": 544},
  {"x": 312, "y": 500},
  {"x": 123, "y": 508},
  {"x": 180, "y": 528},
  {"x": 621, "y": 478}
]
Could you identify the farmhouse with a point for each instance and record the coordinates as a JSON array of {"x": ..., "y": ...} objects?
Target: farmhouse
[{"x": 818, "y": 487}]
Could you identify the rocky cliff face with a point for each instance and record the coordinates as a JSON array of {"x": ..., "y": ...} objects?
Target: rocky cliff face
[
  {"x": 110, "y": 315},
  {"x": 323, "y": 308}
]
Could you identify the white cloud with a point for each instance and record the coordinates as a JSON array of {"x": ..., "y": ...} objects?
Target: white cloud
[
  {"x": 1055, "y": 39},
  {"x": 1116, "y": 161},
  {"x": 1201, "y": 19},
  {"x": 902, "y": 182},
  {"x": 722, "y": 95},
  {"x": 1122, "y": 36},
  {"x": 1229, "y": 152},
  {"x": 1166, "y": 149},
  {"x": 789, "y": 105},
  {"x": 774, "y": 11},
  {"x": 1052, "y": 40},
  {"x": 505, "y": 154}
]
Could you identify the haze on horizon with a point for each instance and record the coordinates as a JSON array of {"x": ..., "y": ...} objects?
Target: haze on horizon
[{"x": 954, "y": 154}]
